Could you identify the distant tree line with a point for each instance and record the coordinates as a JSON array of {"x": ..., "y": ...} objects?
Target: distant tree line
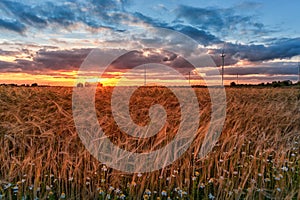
[
  {"x": 22, "y": 85},
  {"x": 272, "y": 84}
]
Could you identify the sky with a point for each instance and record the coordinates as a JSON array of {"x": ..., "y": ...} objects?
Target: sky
[{"x": 47, "y": 41}]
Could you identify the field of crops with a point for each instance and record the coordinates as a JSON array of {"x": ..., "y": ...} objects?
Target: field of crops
[{"x": 256, "y": 157}]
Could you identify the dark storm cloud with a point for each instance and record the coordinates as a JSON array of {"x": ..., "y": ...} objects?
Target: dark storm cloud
[
  {"x": 135, "y": 58},
  {"x": 286, "y": 48},
  {"x": 276, "y": 49},
  {"x": 45, "y": 61},
  {"x": 19, "y": 65},
  {"x": 202, "y": 37},
  {"x": 8, "y": 53},
  {"x": 6, "y": 66},
  {"x": 24, "y": 13},
  {"x": 12, "y": 25},
  {"x": 61, "y": 59},
  {"x": 92, "y": 13},
  {"x": 219, "y": 19},
  {"x": 272, "y": 69},
  {"x": 149, "y": 20}
]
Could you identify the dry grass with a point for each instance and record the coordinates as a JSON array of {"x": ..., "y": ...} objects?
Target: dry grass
[{"x": 256, "y": 157}]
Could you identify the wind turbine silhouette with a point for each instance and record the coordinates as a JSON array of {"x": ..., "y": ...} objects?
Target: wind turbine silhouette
[{"x": 223, "y": 63}]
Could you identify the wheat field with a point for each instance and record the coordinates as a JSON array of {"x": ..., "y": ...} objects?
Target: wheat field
[{"x": 256, "y": 157}]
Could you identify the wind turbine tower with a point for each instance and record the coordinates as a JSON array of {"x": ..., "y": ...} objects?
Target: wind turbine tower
[{"x": 223, "y": 63}]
